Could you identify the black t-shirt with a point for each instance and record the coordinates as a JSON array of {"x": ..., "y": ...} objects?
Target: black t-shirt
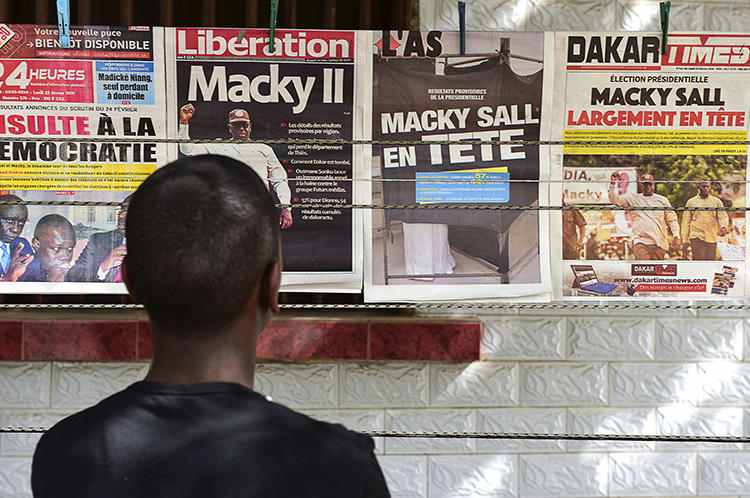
[{"x": 201, "y": 440}]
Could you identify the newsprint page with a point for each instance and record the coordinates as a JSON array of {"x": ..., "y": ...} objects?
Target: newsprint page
[
  {"x": 76, "y": 109},
  {"x": 228, "y": 83},
  {"x": 425, "y": 91},
  {"x": 628, "y": 231}
]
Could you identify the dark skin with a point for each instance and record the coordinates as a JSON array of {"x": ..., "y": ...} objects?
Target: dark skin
[
  {"x": 239, "y": 130},
  {"x": 12, "y": 220},
  {"x": 226, "y": 356},
  {"x": 53, "y": 247},
  {"x": 704, "y": 188},
  {"x": 647, "y": 188}
]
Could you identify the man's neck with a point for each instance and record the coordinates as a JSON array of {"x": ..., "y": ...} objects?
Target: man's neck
[{"x": 225, "y": 358}]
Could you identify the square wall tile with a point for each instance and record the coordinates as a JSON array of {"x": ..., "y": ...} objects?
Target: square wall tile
[
  {"x": 389, "y": 385},
  {"x": 480, "y": 383}
]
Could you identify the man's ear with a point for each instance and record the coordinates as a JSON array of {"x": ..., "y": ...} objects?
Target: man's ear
[
  {"x": 269, "y": 289},
  {"x": 125, "y": 274},
  {"x": 35, "y": 244}
]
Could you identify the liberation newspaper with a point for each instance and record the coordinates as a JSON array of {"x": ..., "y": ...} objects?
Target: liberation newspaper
[{"x": 229, "y": 84}]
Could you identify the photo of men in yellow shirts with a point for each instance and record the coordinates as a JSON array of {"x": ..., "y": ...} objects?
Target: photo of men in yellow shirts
[{"x": 702, "y": 229}]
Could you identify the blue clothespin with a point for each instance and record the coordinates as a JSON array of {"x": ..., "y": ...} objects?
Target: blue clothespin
[
  {"x": 274, "y": 12},
  {"x": 63, "y": 22},
  {"x": 664, "y": 11},
  {"x": 462, "y": 25}
]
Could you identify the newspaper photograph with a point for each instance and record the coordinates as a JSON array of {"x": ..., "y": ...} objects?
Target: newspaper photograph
[
  {"x": 425, "y": 90},
  {"x": 653, "y": 206},
  {"x": 229, "y": 84},
  {"x": 75, "y": 110}
]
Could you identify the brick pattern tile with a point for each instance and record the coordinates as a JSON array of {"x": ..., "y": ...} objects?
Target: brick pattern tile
[
  {"x": 87, "y": 341},
  {"x": 308, "y": 340},
  {"x": 424, "y": 341},
  {"x": 283, "y": 339},
  {"x": 11, "y": 340},
  {"x": 145, "y": 344}
]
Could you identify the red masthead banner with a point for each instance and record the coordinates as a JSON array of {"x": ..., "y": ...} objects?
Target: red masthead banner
[{"x": 227, "y": 42}]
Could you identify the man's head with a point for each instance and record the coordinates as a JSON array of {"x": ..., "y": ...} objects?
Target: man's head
[
  {"x": 53, "y": 242},
  {"x": 647, "y": 184},
  {"x": 12, "y": 218},
  {"x": 122, "y": 214},
  {"x": 203, "y": 240},
  {"x": 239, "y": 124},
  {"x": 704, "y": 188}
]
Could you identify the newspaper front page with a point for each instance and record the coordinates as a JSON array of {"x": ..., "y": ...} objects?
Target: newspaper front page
[
  {"x": 425, "y": 91},
  {"x": 628, "y": 232},
  {"x": 227, "y": 83},
  {"x": 108, "y": 85}
]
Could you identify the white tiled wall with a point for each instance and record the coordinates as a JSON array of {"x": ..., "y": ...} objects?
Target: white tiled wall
[
  {"x": 586, "y": 15},
  {"x": 666, "y": 373},
  {"x": 554, "y": 374}
]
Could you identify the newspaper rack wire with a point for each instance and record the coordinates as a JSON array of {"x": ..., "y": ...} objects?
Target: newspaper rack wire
[
  {"x": 424, "y": 306},
  {"x": 538, "y": 436},
  {"x": 435, "y": 306}
]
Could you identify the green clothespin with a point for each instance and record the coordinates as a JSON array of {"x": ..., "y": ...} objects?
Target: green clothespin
[
  {"x": 664, "y": 11},
  {"x": 274, "y": 12}
]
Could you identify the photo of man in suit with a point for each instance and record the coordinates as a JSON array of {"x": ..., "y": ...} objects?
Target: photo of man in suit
[
  {"x": 53, "y": 243},
  {"x": 15, "y": 250},
  {"x": 100, "y": 260}
]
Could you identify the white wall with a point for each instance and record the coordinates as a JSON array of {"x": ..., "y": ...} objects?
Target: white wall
[
  {"x": 586, "y": 15},
  {"x": 643, "y": 372}
]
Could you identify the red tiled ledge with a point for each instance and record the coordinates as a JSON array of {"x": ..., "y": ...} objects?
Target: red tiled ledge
[{"x": 298, "y": 339}]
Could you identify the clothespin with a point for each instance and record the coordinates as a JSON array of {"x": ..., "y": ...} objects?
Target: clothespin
[
  {"x": 462, "y": 25},
  {"x": 63, "y": 22},
  {"x": 274, "y": 12},
  {"x": 664, "y": 11}
]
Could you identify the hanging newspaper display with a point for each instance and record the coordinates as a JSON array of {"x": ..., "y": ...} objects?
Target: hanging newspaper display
[
  {"x": 423, "y": 90},
  {"x": 229, "y": 84},
  {"x": 105, "y": 89},
  {"x": 630, "y": 232}
]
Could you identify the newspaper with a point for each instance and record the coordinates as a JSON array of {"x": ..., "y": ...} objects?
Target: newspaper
[
  {"x": 227, "y": 83},
  {"x": 107, "y": 85},
  {"x": 621, "y": 88},
  {"x": 423, "y": 90}
]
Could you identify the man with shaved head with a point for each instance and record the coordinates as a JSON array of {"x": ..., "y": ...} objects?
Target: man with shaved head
[
  {"x": 702, "y": 229},
  {"x": 15, "y": 251},
  {"x": 53, "y": 243},
  {"x": 651, "y": 228},
  {"x": 194, "y": 427}
]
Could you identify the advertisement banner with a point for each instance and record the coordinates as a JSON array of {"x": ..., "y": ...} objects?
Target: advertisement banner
[
  {"x": 646, "y": 184},
  {"x": 229, "y": 84},
  {"x": 424, "y": 91},
  {"x": 75, "y": 109}
]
